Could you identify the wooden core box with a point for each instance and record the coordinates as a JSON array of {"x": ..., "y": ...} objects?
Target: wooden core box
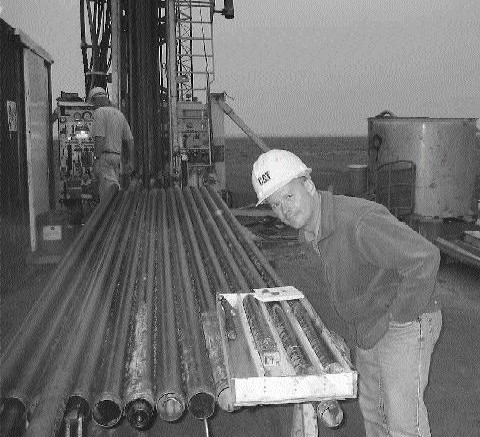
[{"x": 253, "y": 383}]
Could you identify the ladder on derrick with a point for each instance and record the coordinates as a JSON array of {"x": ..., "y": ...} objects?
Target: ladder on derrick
[
  {"x": 194, "y": 35},
  {"x": 194, "y": 73}
]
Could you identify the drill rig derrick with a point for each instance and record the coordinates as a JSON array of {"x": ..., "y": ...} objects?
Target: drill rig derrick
[{"x": 156, "y": 60}]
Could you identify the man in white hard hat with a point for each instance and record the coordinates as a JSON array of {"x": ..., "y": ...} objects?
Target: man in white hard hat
[
  {"x": 111, "y": 132},
  {"x": 380, "y": 276}
]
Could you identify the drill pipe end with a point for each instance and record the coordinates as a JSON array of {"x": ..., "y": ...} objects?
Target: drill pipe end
[
  {"x": 330, "y": 413},
  {"x": 13, "y": 416},
  {"x": 170, "y": 407},
  {"x": 140, "y": 414},
  {"x": 202, "y": 405},
  {"x": 225, "y": 400},
  {"x": 79, "y": 404},
  {"x": 107, "y": 410}
]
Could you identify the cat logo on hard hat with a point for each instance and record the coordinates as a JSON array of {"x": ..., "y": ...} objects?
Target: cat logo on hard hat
[{"x": 265, "y": 177}]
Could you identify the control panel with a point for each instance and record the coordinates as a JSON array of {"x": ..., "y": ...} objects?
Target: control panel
[
  {"x": 194, "y": 133},
  {"x": 76, "y": 151}
]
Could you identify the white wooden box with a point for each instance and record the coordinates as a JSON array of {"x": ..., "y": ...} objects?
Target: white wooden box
[{"x": 252, "y": 384}]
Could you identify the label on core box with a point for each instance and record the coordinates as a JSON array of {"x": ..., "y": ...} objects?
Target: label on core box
[
  {"x": 52, "y": 233},
  {"x": 277, "y": 293}
]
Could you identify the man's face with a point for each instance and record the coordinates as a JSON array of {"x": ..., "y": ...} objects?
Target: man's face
[{"x": 293, "y": 204}]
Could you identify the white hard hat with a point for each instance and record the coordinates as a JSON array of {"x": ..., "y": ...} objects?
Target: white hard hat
[
  {"x": 98, "y": 91},
  {"x": 274, "y": 169}
]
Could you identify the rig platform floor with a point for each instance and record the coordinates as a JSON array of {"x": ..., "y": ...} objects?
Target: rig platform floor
[{"x": 453, "y": 394}]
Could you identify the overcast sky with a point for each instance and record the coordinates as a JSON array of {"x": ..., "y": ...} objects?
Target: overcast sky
[{"x": 311, "y": 67}]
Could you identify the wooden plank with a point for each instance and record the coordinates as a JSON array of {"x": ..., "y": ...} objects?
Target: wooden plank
[{"x": 294, "y": 389}]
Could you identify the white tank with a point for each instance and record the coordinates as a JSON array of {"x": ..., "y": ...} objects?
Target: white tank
[{"x": 444, "y": 153}]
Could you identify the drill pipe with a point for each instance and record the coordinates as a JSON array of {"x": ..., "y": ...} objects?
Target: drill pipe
[
  {"x": 170, "y": 397},
  {"x": 329, "y": 412},
  {"x": 219, "y": 279},
  {"x": 76, "y": 415},
  {"x": 79, "y": 403},
  {"x": 138, "y": 393},
  {"x": 37, "y": 369},
  {"x": 211, "y": 329},
  {"x": 13, "y": 417},
  {"x": 38, "y": 318},
  {"x": 260, "y": 270},
  {"x": 199, "y": 269},
  {"x": 198, "y": 376},
  {"x": 25, "y": 380},
  {"x": 213, "y": 340},
  {"x": 108, "y": 406},
  {"x": 210, "y": 324},
  {"x": 240, "y": 255},
  {"x": 221, "y": 245},
  {"x": 45, "y": 419}
]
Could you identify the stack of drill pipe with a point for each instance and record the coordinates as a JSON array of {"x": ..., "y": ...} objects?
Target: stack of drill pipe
[
  {"x": 220, "y": 284},
  {"x": 230, "y": 280},
  {"x": 30, "y": 354},
  {"x": 47, "y": 415},
  {"x": 219, "y": 278},
  {"x": 108, "y": 405},
  {"x": 235, "y": 278},
  {"x": 79, "y": 403},
  {"x": 170, "y": 396},
  {"x": 200, "y": 267},
  {"x": 242, "y": 260},
  {"x": 206, "y": 270},
  {"x": 329, "y": 412},
  {"x": 138, "y": 394},
  {"x": 121, "y": 320},
  {"x": 213, "y": 282},
  {"x": 256, "y": 272},
  {"x": 199, "y": 387},
  {"x": 270, "y": 278}
]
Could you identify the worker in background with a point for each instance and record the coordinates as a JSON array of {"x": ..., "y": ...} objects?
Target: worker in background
[
  {"x": 111, "y": 132},
  {"x": 380, "y": 276}
]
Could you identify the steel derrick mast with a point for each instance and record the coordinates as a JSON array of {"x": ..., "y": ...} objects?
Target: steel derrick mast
[{"x": 156, "y": 60}]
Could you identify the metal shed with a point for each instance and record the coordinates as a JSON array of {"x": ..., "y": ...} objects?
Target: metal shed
[{"x": 26, "y": 152}]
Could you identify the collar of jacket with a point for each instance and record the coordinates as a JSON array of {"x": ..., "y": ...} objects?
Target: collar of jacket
[{"x": 326, "y": 219}]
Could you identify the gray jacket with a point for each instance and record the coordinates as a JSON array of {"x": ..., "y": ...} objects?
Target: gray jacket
[{"x": 377, "y": 268}]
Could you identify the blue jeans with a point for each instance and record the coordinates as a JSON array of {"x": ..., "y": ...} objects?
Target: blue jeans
[{"x": 393, "y": 375}]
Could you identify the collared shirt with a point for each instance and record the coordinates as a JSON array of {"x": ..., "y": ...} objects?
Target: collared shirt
[
  {"x": 111, "y": 124},
  {"x": 376, "y": 268}
]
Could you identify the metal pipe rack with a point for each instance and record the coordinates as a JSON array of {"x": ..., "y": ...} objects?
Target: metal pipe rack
[{"x": 127, "y": 326}]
